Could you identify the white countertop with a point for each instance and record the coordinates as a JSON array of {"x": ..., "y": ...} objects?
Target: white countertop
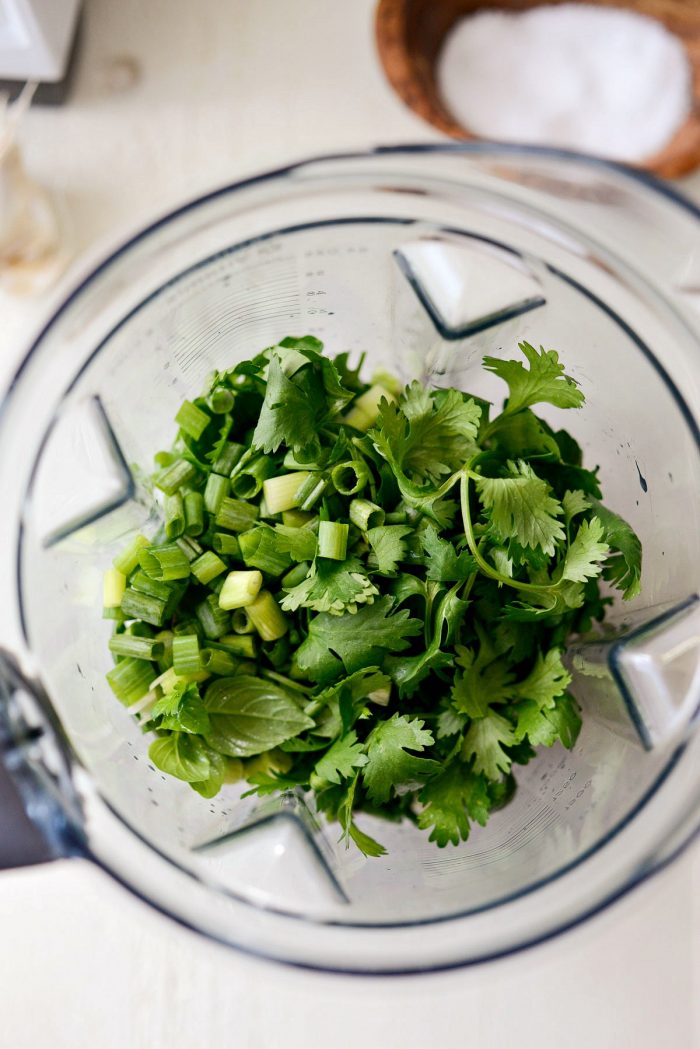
[{"x": 220, "y": 89}]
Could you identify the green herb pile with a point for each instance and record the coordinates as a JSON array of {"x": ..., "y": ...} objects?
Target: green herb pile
[{"x": 365, "y": 591}]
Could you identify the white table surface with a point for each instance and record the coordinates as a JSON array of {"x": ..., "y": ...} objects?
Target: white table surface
[{"x": 219, "y": 89}]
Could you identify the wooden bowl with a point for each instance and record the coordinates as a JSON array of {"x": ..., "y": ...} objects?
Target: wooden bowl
[{"x": 410, "y": 34}]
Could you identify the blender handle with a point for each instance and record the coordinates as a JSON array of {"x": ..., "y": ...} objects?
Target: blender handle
[
  {"x": 21, "y": 841},
  {"x": 38, "y": 806}
]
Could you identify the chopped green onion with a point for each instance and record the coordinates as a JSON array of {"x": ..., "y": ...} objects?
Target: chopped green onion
[
  {"x": 136, "y": 605},
  {"x": 207, "y": 567},
  {"x": 296, "y": 518},
  {"x": 223, "y": 543},
  {"x": 136, "y": 647},
  {"x": 215, "y": 621},
  {"x": 397, "y": 517},
  {"x": 278, "y": 653},
  {"x": 282, "y": 492},
  {"x": 240, "y": 589},
  {"x": 186, "y": 657},
  {"x": 219, "y": 662},
  {"x": 144, "y": 704},
  {"x": 235, "y": 515},
  {"x": 145, "y": 585},
  {"x": 216, "y": 585},
  {"x": 247, "y": 666},
  {"x": 365, "y": 408},
  {"x": 259, "y": 550},
  {"x": 188, "y": 626},
  {"x": 350, "y": 477},
  {"x": 126, "y": 561},
  {"x": 129, "y": 679},
  {"x": 174, "y": 476},
  {"x": 295, "y": 575},
  {"x": 113, "y": 587},
  {"x": 115, "y": 614},
  {"x": 247, "y": 482},
  {"x": 240, "y": 644},
  {"x": 366, "y": 515},
  {"x": 311, "y": 490},
  {"x": 290, "y": 462},
  {"x": 216, "y": 489},
  {"x": 139, "y": 629},
  {"x": 333, "y": 540},
  {"x": 240, "y": 622},
  {"x": 221, "y": 400},
  {"x": 267, "y": 617},
  {"x": 165, "y": 681},
  {"x": 228, "y": 457},
  {"x": 192, "y": 420},
  {"x": 390, "y": 382},
  {"x": 165, "y": 638},
  {"x": 190, "y": 547},
  {"x": 174, "y": 513},
  {"x": 164, "y": 563},
  {"x": 194, "y": 513}
]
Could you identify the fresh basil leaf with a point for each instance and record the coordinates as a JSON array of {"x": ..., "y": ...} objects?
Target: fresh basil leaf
[{"x": 250, "y": 715}]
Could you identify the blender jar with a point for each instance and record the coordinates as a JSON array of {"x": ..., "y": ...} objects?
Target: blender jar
[{"x": 425, "y": 259}]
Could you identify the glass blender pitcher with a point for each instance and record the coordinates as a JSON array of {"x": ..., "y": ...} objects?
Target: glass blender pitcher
[{"x": 426, "y": 259}]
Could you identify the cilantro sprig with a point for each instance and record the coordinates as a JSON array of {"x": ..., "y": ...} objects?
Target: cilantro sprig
[{"x": 364, "y": 592}]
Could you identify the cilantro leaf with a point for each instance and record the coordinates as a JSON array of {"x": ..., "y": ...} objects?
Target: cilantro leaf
[
  {"x": 443, "y": 563},
  {"x": 482, "y": 684},
  {"x": 408, "y": 671},
  {"x": 341, "y": 759},
  {"x": 390, "y": 765},
  {"x": 561, "y": 721},
  {"x": 543, "y": 381},
  {"x": 427, "y": 439},
  {"x": 450, "y": 801},
  {"x": 181, "y": 710},
  {"x": 264, "y": 783},
  {"x": 546, "y": 602},
  {"x": 367, "y": 846},
  {"x": 484, "y": 743},
  {"x": 287, "y": 416},
  {"x": 450, "y": 722},
  {"x": 343, "y": 644},
  {"x": 299, "y": 543},
  {"x": 573, "y": 503},
  {"x": 520, "y": 506},
  {"x": 222, "y": 439},
  {"x": 422, "y": 438},
  {"x": 388, "y": 547},
  {"x": 548, "y": 679},
  {"x": 566, "y": 719},
  {"x": 331, "y": 586},
  {"x": 624, "y": 567},
  {"x": 522, "y": 436},
  {"x": 355, "y": 686},
  {"x": 586, "y": 552}
]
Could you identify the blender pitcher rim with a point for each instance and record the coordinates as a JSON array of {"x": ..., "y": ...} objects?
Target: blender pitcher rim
[{"x": 427, "y": 149}]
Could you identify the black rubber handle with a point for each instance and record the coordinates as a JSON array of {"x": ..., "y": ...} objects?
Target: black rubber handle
[
  {"x": 21, "y": 841},
  {"x": 38, "y": 809}
]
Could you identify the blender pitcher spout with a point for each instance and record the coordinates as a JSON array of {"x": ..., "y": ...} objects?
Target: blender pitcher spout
[{"x": 39, "y": 811}]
